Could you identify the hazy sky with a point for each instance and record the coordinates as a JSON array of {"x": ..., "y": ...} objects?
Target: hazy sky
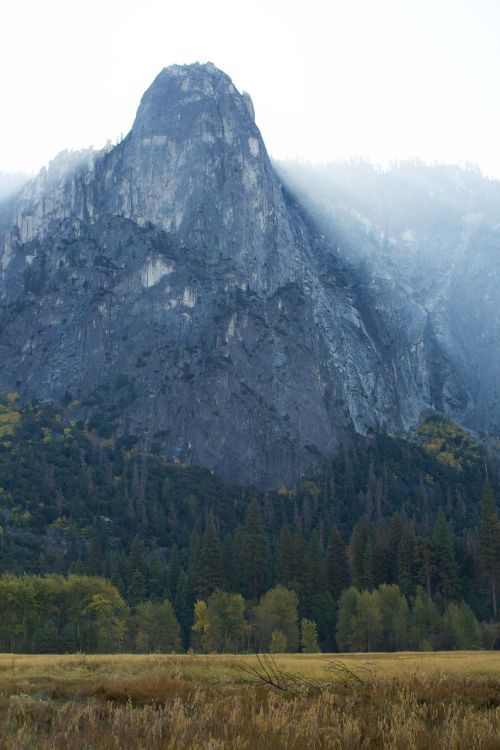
[{"x": 329, "y": 78}]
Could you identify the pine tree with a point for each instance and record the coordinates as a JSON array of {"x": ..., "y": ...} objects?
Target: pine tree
[
  {"x": 173, "y": 572},
  {"x": 368, "y": 577},
  {"x": 337, "y": 565},
  {"x": 184, "y": 602},
  {"x": 95, "y": 557},
  {"x": 446, "y": 565},
  {"x": 380, "y": 566},
  {"x": 349, "y": 474},
  {"x": 488, "y": 537},
  {"x": 314, "y": 573},
  {"x": 357, "y": 549},
  {"x": 299, "y": 581},
  {"x": 347, "y": 612},
  {"x": 193, "y": 560},
  {"x": 324, "y": 614},
  {"x": 394, "y": 533},
  {"x": 118, "y": 571},
  {"x": 211, "y": 562},
  {"x": 424, "y": 563},
  {"x": 284, "y": 556},
  {"x": 405, "y": 560},
  {"x": 136, "y": 579},
  {"x": 254, "y": 553},
  {"x": 236, "y": 574},
  {"x": 156, "y": 577}
]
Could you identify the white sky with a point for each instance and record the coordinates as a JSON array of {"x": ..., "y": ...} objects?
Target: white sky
[{"x": 329, "y": 78}]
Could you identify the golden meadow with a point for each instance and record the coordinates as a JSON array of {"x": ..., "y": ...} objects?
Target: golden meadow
[{"x": 404, "y": 700}]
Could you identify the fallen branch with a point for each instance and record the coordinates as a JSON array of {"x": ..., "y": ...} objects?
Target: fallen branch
[{"x": 268, "y": 672}]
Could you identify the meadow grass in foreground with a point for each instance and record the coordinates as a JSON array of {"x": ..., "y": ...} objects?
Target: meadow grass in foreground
[{"x": 404, "y": 700}]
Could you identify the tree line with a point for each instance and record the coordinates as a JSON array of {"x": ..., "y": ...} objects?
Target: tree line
[{"x": 57, "y": 614}]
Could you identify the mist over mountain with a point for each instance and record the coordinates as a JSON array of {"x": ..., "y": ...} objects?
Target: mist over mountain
[
  {"x": 427, "y": 239},
  {"x": 11, "y": 183},
  {"x": 243, "y": 317}
]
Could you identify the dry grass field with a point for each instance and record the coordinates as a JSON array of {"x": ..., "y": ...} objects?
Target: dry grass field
[{"x": 405, "y": 700}]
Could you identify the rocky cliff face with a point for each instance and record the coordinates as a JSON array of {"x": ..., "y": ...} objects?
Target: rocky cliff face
[
  {"x": 427, "y": 242},
  {"x": 175, "y": 290}
]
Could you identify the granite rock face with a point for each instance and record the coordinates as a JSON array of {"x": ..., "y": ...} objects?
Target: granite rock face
[
  {"x": 174, "y": 288},
  {"x": 426, "y": 241}
]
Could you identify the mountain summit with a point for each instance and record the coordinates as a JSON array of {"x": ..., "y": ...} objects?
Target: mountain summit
[{"x": 173, "y": 289}]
